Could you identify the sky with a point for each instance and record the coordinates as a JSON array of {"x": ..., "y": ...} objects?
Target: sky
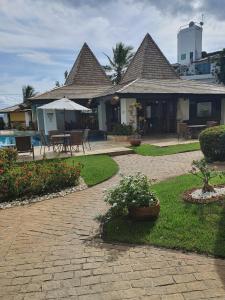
[{"x": 40, "y": 39}]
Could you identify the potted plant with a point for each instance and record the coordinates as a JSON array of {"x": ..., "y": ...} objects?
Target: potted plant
[
  {"x": 134, "y": 197},
  {"x": 121, "y": 133},
  {"x": 135, "y": 139}
]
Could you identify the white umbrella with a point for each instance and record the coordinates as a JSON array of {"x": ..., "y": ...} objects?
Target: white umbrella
[{"x": 64, "y": 104}]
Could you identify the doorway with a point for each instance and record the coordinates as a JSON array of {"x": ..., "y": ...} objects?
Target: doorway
[{"x": 157, "y": 116}]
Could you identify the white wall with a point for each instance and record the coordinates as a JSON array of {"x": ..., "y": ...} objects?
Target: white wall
[
  {"x": 102, "y": 116},
  {"x": 6, "y": 119},
  {"x": 128, "y": 111},
  {"x": 27, "y": 118},
  {"x": 203, "y": 78},
  {"x": 183, "y": 109},
  {"x": 189, "y": 40}
]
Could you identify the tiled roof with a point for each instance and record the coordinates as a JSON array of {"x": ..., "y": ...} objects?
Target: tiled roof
[
  {"x": 72, "y": 92},
  {"x": 15, "y": 108},
  {"x": 85, "y": 80},
  {"x": 149, "y": 63},
  {"x": 165, "y": 86},
  {"x": 87, "y": 70},
  {"x": 171, "y": 86}
]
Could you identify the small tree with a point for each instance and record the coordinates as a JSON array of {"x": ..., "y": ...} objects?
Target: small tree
[{"x": 201, "y": 169}]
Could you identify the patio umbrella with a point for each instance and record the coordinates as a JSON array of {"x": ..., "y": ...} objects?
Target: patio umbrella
[{"x": 64, "y": 104}]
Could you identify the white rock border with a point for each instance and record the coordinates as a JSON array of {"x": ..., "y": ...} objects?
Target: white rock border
[
  {"x": 196, "y": 196},
  {"x": 24, "y": 201}
]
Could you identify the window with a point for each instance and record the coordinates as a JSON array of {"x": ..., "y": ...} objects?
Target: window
[
  {"x": 204, "y": 109},
  {"x": 183, "y": 56},
  {"x": 191, "y": 56}
]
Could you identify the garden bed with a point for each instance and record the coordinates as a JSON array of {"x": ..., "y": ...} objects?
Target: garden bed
[
  {"x": 197, "y": 196},
  {"x": 29, "y": 200},
  {"x": 30, "y": 182},
  {"x": 181, "y": 225}
]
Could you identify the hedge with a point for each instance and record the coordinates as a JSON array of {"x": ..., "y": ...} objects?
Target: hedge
[
  {"x": 212, "y": 143},
  {"x": 36, "y": 178}
]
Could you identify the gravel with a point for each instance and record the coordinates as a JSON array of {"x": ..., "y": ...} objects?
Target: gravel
[
  {"x": 24, "y": 201},
  {"x": 198, "y": 194}
]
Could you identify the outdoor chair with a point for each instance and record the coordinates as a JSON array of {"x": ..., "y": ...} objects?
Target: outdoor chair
[
  {"x": 86, "y": 139},
  {"x": 183, "y": 131},
  {"x": 44, "y": 141},
  {"x": 56, "y": 142},
  {"x": 24, "y": 145},
  {"x": 76, "y": 140}
]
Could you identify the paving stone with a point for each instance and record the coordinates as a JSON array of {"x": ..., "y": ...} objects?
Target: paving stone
[
  {"x": 48, "y": 250},
  {"x": 184, "y": 278}
]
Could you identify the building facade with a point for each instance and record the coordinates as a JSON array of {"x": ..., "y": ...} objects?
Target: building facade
[
  {"x": 192, "y": 62},
  {"x": 151, "y": 96}
]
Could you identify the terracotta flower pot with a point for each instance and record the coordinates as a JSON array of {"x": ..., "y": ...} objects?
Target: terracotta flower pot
[
  {"x": 135, "y": 142},
  {"x": 145, "y": 213}
]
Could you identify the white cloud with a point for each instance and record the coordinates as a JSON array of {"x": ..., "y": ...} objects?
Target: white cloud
[{"x": 38, "y": 57}]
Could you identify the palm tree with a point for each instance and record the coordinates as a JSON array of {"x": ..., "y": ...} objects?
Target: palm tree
[
  {"x": 118, "y": 64},
  {"x": 28, "y": 91}
]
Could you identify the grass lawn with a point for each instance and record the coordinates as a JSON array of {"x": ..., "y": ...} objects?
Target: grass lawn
[
  {"x": 192, "y": 227},
  {"x": 96, "y": 168},
  {"x": 151, "y": 150}
]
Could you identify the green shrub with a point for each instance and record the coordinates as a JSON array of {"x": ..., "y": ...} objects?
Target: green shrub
[
  {"x": 212, "y": 143},
  {"x": 8, "y": 157},
  {"x": 132, "y": 191},
  {"x": 122, "y": 129},
  {"x": 29, "y": 179}
]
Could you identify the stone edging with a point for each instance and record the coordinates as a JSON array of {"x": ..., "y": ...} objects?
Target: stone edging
[{"x": 24, "y": 201}]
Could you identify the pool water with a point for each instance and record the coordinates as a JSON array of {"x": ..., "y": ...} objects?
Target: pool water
[{"x": 10, "y": 140}]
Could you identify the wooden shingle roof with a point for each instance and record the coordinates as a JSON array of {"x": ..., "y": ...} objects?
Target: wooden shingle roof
[
  {"x": 165, "y": 86},
  {"x": 72, "y": 92},
  {"x": 149, "y": 63},
  {"x": 87, "y": 70},
  {"x": 85, "y": 80}
]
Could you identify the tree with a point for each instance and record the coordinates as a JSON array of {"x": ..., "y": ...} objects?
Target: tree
[
  {"x": 28, "y": 92},
  {"x": 119, "y": 62},
  {"x": 219, "y": 71}
]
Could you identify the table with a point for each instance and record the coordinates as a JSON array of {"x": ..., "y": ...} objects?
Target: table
[
  {"x": 195, "y": 130},
  {"x": 61, "y": 139}
]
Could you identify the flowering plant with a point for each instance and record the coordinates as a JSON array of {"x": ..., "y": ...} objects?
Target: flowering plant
[
  {"x": 8, "y": 157},
  {"x": 132, "y": 191},
  {"x": 37, "y": 178}
]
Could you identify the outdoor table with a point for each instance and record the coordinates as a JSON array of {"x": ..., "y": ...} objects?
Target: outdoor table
[
  {"x": 195, "y": 129},
  {"x": 61, "y": 139}
]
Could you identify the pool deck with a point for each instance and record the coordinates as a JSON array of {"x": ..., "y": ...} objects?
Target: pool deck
[{"x": 107, "y": 147}]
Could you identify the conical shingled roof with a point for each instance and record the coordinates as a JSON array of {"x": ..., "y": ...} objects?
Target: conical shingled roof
[
  {"x": 87, "y": 70},
  {"x": 149, "y": 63}
]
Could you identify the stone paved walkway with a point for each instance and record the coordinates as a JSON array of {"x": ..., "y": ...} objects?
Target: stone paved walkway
[{"x": 48, "y": 250}]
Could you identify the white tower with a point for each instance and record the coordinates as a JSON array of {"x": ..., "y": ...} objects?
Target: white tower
[{"x": 189, "y": 43}]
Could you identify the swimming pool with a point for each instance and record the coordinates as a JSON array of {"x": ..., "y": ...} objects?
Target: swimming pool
[{"x": 10, "y": 140}]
